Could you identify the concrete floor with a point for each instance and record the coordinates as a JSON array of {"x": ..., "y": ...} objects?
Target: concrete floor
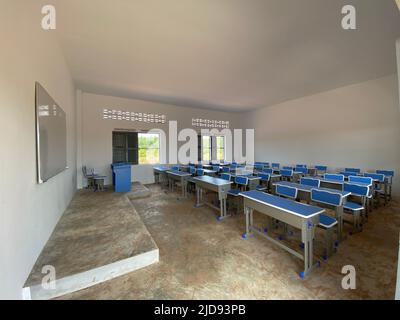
[{"x": 201, "y": 258}]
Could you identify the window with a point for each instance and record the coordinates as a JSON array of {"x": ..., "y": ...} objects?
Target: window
[
  {"x": 206, "y": 147},
  {"x": 220, "y": 148},
  {"x": 149, "y": 148},
  {"x": 211, "y": 148},
  {"x": 125, "y": 147},
  {"x": 136, "y": 148}
]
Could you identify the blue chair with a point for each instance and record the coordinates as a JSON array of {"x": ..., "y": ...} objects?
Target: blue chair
[
  {"x": 264, "y": 181},
  {"x": 286, "y": 191},
  {"x": 241, "y": 185},
  {"x": 200, "y": 172},
  {"x": 301, "y": 166},
  {"x": 199, "y": 166},
  {"x": 326, "y": 197},
  {"x": 321, "y": 170},
  {"x": 226, "y": 169},
  {"x": 389, "y": 174},
  {"x": 175, "y": 168},
  {"x": 360, "y": 179},
  {"x": 347, "y": 173},
  {"x": 226, "y": 176},
  {"x": 192, "y": 170},
  {"x": 310, "y": 182},
  {"x": 267, "y": 170},
  {"x": 380, "y": 186},
  {"x": 302, "y": 170},
  {"x": 287, "y": 168},
  {"x": 334, "y": 176},
  {"x": 356, "y": 208},
  {"x": 327, "y": 223},
  {"x": 364, "y": 180},
  {"x": 275, "y": 166},
  {"x": 258, "y": 167},
  {"x": 287, "y": 174},
  {"x": 216, "y": 169},
  {"x": 353, "y": 170}
]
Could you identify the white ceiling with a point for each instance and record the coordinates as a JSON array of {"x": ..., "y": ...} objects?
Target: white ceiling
[{"x": 231, "y": 55}]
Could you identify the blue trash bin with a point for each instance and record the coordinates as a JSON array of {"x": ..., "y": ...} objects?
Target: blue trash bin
[{"x": 121, "y": 177}]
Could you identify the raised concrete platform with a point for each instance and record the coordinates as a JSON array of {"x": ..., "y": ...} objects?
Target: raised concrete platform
[
  {"x": 139, "y": 191},
  {"x": 99, "y": 237}
]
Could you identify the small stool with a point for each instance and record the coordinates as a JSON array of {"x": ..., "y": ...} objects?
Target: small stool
[{"x": 99, "y": 183}]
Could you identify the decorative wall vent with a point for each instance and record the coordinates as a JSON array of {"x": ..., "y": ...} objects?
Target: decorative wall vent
[
  {"x": 112, "y": 114},
  {"x": 205, "y": 123}
]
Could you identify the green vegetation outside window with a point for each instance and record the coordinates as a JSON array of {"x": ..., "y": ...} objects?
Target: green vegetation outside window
[
  {"x": 149, "y": 148},
  {"x": 206, "y": 148},
  {"x": 220, "y": 141}
]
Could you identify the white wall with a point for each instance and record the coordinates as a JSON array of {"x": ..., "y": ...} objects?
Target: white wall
[
  {"x": 96, "y": 136},
  {"x": 398, "y": 62},
  {"x": 28, "y": 211},
  {"x": 353, "y": 126},
  {"x": 398, "y": 257}
]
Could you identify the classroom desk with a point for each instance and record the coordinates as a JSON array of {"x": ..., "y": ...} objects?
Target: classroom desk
[
  {"x": 220, "y": 186},
  {"x": 304, "y": 193},
  {"x": 160, "y": 174},
  {"x": 181, "y": 177},
  {"x": 295, "y": 214}
]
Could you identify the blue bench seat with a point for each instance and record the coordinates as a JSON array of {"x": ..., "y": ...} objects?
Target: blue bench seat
[
  {"x": 353, "y": 206},
  {"x": 326, "y": 221},
  {"x": 261, "y": 187},
  {"x": 234, "y": 192}
]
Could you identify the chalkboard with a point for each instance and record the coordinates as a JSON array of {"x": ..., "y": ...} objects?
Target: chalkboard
[{"x": 51, "y": 136}]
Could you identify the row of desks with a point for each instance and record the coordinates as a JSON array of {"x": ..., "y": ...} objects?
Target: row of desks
[{"x": 298, "y": 215}]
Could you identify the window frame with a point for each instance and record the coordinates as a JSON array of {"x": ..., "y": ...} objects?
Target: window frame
[
  {"x": 217, "y": 148},
  {"x": 125, "y": 149},
  {"x": 152, "y": 148},
  {"x": 210, "y": 148}
]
